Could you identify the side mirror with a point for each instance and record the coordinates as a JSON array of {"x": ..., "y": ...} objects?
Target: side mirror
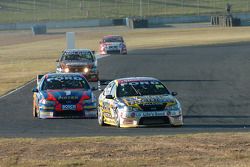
[
  {"x": 35, "y": 90},
  {"x": 109, "y": 97},
  {"x": 174, "y": 93},
  {"x": 57, "y": 60}
]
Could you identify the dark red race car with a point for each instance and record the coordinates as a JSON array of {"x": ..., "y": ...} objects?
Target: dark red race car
[
  {"x": 79, "y": 61},
  {"x": 112, "y": 44}
]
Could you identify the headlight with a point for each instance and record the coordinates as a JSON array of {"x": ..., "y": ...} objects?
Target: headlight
[
  {"x": 86, "y": 70},
  {"x": 48, "y": 102},
  {"x": 66, "y": 70},
  {"x": 123, "y": 109},
  {"x": 175, "y": 105}
]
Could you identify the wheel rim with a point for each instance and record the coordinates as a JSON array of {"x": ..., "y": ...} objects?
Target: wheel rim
[{"x": 100, "y": 119}]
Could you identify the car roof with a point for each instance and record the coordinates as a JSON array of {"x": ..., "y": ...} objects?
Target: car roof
[
  {"x": 135, "y": 79},
  {"x": 63, "y": 74},
  {"x": 110, "y": 36},
  {"x": 76, "y": 50}
]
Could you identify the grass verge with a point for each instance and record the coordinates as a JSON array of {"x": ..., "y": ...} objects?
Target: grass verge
[{"x": 218, "y": 149}]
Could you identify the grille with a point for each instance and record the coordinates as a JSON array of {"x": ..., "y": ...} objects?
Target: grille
[
  {"x": 113, "y": 51},
  {"x": 154, "y": 120},
  {"x": 152, "y": 107},
  {"x": 76, "y": 69}
]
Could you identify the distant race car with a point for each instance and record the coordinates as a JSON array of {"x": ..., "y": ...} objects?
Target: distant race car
[
  {"x": 138, "y": 101},
  {"x": 63, "y": 95},
  {"x": 112, "y": 44},
  {"x": 78, "y": 61}
]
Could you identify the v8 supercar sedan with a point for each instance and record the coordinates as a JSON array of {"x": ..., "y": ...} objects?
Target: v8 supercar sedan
[
  {"x": 138, "y": 101},
  {"x": 112, "y": 44},
  {"x": 78, "y": 61},
  {"x": 63, "y": 95}
]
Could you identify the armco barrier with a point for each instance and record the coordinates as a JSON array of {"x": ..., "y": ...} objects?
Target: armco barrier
[
  {"x": 245, "y": 17},
  {"x": 118, "y": 22}
]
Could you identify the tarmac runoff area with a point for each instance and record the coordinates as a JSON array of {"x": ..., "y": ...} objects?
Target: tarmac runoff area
[{"x": 212, "y": 83}]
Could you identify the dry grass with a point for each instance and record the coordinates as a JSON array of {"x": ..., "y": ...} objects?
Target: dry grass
[
  {"x": 23, "y": 56},
  {"x": 180, "y": 150}
]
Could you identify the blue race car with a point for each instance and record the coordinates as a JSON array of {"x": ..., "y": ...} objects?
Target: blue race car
[{"x": 59, "y": 95}]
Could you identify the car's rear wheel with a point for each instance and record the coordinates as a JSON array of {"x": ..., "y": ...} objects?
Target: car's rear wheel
[{"x": 100, "y": 118}]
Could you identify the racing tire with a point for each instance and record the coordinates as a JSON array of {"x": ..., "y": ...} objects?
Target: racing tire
[
  {"x": 100, "y": 118},
  {"x": 118, "y": 123},
  {"x": 34, "y": 113}
]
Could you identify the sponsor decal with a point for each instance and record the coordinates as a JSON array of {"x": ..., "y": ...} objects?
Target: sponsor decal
[
  {"x": 149, "y": 100},
  {"x": 67, "y": 97},
  {"x": 63, "y": 78},
  {"x": 68, "y": 93}
]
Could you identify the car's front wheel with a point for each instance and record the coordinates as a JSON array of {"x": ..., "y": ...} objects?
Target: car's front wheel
[
  {"x": 100, "y": 118},
  {"x": 34, "y": 113},
  {"x": 117, "y": 119}
]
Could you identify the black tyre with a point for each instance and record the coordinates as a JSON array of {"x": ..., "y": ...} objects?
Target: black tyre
[
  {"x": 100, "y": 118},
  {"x": 34, "y": 113},
  {"x": 117, "y": 118}
]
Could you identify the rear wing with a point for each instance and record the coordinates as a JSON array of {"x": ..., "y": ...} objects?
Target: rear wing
[{"x": 38, "y": 78}]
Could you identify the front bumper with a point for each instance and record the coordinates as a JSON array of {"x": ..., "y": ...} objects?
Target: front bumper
[
  {"x": 52, "y": 113},
  {"x": 117, "y": 51},
  {"x": 152, "y": 119}
]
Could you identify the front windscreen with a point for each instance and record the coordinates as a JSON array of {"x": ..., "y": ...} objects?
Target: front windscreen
[
  {"x": 65, "y": 82},
  {"x": 141, "y": 88},
  {"x": 81, "y": 56},
  {"x": 113, "y": 39}
]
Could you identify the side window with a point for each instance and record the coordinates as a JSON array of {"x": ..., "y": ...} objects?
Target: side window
[{"x": 113, "y": 90}]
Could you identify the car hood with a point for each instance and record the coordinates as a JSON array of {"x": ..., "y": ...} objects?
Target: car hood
[
  {"x": 62, "y": 95},
  {"x": 149, "y": 100}
]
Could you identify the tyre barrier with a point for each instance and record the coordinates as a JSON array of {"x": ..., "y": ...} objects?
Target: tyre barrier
[
  {"x": 39, "y": 29},
  {"x": 225, "y": 21},
  {"x": 118, "y": 22},
  {"x": 137, "y": 23}
]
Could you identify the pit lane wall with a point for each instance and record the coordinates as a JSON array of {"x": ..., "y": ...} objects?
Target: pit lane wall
[{"x": 245, "y": 17}]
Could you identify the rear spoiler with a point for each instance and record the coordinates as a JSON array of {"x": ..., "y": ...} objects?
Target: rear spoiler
[{"x": 38, "y": 78}]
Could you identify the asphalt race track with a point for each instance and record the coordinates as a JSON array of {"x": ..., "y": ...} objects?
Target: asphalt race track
[{"x": 212, "y": 84}]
